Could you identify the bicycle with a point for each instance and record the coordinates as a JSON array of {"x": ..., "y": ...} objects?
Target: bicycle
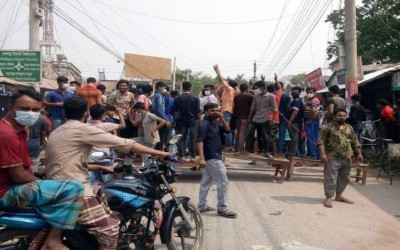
[{"x": 372, "y": 145}]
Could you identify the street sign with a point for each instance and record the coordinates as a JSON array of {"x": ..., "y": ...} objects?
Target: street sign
[{"x": 21, "y": 65}]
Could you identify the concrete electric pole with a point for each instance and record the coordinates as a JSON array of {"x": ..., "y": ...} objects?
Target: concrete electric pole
[
  {"x": 36, "y": 12},
  {"x": 255, "y": 72},
  {"x": 174, "y": 75},
  {"x": 350, "y": 36}
]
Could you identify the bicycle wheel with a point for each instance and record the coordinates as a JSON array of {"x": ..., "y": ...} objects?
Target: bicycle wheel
[{"x": 384, "y": 161}]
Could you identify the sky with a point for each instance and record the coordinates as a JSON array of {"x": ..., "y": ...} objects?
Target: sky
[{"x": 199, "y": 34}]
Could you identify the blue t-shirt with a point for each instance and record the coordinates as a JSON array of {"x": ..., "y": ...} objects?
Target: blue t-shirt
[
  {"x": 297, "y": 104},
  {"x": 58, "y": 96},
  {"x": 283, "y": 104},
  {"x": 210, "y": 133}
]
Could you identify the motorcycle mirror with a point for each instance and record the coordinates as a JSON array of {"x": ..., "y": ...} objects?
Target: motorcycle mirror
[{"x": 174, "y": 139}]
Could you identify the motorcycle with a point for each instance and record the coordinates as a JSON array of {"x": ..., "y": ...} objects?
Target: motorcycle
[{"x": 137, "y": 199}]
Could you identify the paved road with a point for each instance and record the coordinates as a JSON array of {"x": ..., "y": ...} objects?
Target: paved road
[{"x": 291, "y": 215}]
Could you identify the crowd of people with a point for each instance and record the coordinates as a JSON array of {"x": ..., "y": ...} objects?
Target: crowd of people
[{"x": 244, "y": 118}]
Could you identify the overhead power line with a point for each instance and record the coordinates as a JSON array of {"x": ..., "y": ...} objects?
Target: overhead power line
[
  {"x": 60, "y": 13},
  {"x": 287, "y": 36},
  {"x": 309, "y": 15},
  {"x": 304, "y": 38},
  {"x": 191, "y": 21},
  {"x": 276, "y": 28}
]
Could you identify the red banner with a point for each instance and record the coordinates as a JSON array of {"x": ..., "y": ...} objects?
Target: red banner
[
  {"x": 352, "y": 86},
  {"x": 314, "y": 79}
]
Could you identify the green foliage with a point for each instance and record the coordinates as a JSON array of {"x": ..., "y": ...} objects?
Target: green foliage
[
  {"x": 198, "y": 79},
  {"x": 298, "y": 80},
  {"x": 378, "y": 32}
]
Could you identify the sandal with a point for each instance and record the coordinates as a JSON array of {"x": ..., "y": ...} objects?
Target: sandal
[
  {"x": 206, "y": 209},
  {"x": 227, "y": 213}
]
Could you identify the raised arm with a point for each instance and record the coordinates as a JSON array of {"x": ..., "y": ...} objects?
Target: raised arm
[
  {"x": 222, "y": 80},
  {"x": 277, "y": 84}
]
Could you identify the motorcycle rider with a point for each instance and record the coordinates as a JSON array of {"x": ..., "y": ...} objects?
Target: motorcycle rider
[
  {"x": 58, "y": 202},
  {"x": 67, "y": 151}
]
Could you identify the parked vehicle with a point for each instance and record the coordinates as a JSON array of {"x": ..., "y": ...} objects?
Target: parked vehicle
[{"x": 138, "y": 200}]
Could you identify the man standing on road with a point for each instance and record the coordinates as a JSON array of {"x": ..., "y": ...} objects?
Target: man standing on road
[
  {"x": 209, "y": 146},
  {"x": 242, "y": 105},
  {"x": 188, "y": 113},
  {"x": 334, "y": 103},
  {"x": 227, "y": 103},
  {"x": 259, "y": 117},
  {"x": 123, "y": 99},
  {"x": 160, "y": 102},
  {"x": 336, "y": 143},
  {"x": 90, "y": 92},
  {"x": 311, "y": 122},
  {"x": 55, "y": 100},
  {"x": 295, "y": 122}
]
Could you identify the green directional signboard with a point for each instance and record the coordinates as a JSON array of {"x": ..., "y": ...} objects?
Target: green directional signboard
[{"x": 21, "y": 65}]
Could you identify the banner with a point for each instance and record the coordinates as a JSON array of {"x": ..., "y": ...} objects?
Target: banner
[
  {"x": 316, "y": 79},
  {"x": 147, "y": 67}
]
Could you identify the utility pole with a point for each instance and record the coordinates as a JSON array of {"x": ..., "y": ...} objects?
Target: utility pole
[
  {"x": 36, "y": 12},
  {"x": 187, "y": 74},
  {"x": 174, "y": 75},
  {"x": 350, "y": 36},
  {"x": 255, "y": 70}
]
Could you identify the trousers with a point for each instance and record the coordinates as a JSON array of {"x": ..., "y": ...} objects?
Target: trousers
[
  {"x": 336, "y": 176},
  {"x": 215, "y": 170}
]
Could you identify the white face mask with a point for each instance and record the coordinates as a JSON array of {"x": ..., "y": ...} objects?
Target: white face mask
[
  {"x": 257, "y": 91},
  {"x": 26, "y": 118},
  {"x": 309, "y": 96},
  {"x": 65, "y": 86},
  {"x": 207, "y": 93},
  {"x": 72, "y": 88}
]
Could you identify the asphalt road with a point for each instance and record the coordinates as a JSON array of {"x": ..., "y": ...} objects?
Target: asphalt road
[{"x": 291, "y": 215}]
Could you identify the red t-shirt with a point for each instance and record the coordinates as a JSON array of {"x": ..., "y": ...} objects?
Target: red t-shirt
[{"x": 13, "y": 150}]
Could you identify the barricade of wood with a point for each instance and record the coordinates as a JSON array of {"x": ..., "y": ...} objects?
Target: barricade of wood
[
  {"x": 281, "y": 164},
  {"x": 361, "y": 173}
]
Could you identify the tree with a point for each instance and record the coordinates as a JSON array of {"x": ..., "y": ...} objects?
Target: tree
[
  {"x": 378, "y": 32},
  {"x": 298, "y": 80},
  {"x": 240, "y": 79}
]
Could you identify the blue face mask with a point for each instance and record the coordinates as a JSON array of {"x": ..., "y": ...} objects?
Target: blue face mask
[
  {"x": 26, "y": 118},
  {"x": 295, "y": 95}
]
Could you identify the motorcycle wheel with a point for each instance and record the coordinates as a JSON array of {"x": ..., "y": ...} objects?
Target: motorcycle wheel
[
  {"x": 181, "y": 235},
  {"x": 15, "y": 239}
]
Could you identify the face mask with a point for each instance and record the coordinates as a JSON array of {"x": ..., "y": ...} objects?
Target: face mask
[
  {"x": 309, "y": 96},
  {"x": 72, "y": 88},
  {"x": 207, "y": 93},
  {"x": 163, "y": 91},
  {"x": 26, "y": 118},
  {"x": 257, "y": 91},
  {"x": 65, "y": 86},
  {"x": 295, "y": 95}
]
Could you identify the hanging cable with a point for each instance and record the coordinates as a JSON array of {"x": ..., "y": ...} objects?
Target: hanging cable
[{"x": 190, "y": 21}]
